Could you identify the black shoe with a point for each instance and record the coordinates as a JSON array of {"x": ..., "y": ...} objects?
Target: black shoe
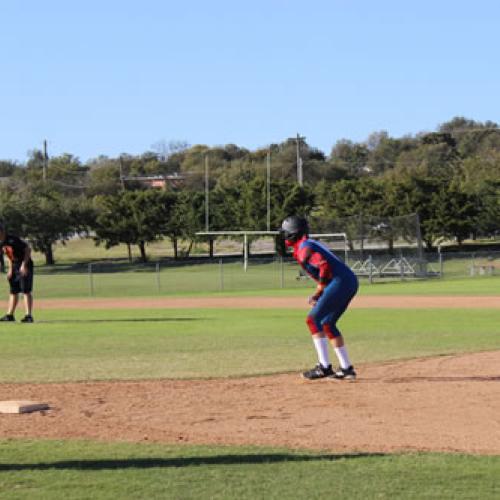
[
  {"x": 319, "y": 371},
  {"x": 27, "y": 319},
  {"x": 345, "y": 373},
  {"x": 8, "y": 317}
]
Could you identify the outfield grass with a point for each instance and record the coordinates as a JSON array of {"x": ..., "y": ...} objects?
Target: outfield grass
[
  {"x": 83, "y": 470},
  {"x": 141, "y": 344},
  {"x": 85, "y": 250}
]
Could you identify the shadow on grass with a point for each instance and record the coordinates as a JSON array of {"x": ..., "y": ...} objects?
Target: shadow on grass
[
  {"x": 151, "y": 463},
  {"x": 118, "y": 320}
]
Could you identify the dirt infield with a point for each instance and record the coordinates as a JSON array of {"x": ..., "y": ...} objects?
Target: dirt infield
[
  {"x": 413, "y": 302},
  {"x": 447, "y": 403}
]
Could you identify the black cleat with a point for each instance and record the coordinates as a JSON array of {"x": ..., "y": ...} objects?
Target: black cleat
[
  {"x": 319, "y": 371},
  {"x": 8, "y": 317},
  {"x": 344, "y": 374},
  {"x": 27, "y": 319}
]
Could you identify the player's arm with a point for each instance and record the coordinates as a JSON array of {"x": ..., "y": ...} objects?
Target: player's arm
[
  {"x": 27, "y": 256},
  {"x": 306, "y": 255},
  {"x": 317, "y": 294},
  {"x": 303, "y": 257},
  {"x": 325, "y": 276},
  {"x": 9, "y": 268}
]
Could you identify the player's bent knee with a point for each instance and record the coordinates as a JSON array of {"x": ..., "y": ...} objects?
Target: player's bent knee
[
  {"x": 311, "y": 323},
  {"x": 331, "y": 332}
]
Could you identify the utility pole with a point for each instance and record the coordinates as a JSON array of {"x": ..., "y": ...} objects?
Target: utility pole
[
  {"x": 122, "y": 178},
  {"x": 206, "y": 196},
  {"x": 122, "y": 181},
  {"x": 268, "y": 193},
  {"x": 45, "y": 161},
  {"x": 300, "y": 176}
]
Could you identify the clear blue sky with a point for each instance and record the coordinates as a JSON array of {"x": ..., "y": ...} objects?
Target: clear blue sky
[{"x": 112, "y": 76}]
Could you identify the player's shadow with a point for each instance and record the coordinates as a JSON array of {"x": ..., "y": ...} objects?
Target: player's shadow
[
  {"x": 471, "y": 378},
  {"x": 120, "y": 320},
  {"x": 152, "y": 463}
]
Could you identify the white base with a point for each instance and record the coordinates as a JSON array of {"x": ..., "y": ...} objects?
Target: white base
[{"x": 22, "y": 406}]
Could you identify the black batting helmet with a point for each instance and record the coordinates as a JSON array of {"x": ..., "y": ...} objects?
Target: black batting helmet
[{"x": 293, "y": 228}]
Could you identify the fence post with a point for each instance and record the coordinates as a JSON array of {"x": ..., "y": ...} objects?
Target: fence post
[
  {"x": 472, "y": 267},
  {"x": 221, "y": 275},
  {"x": 245, "y": 252},
  {"x": 91, "y": 281},
  {"x": 158, "y": 282},
  {"x": 282, "y": 272},
  {"x": 370, "y": 266}
]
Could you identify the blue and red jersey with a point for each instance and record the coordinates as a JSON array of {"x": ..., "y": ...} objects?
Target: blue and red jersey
[{"x": 319, "y": 262}]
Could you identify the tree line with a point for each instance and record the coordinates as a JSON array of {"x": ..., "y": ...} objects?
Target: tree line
[{"x": 450, "y": 177}]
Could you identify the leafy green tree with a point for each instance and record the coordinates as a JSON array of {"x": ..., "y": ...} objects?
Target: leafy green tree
[
  {"x": 7, "y": 168},
  {"x": 454, "y": 214},
  {"x": 429, "y": 159},
  {"x": 299, "y": 200},
  {"x": 65, "y": 174},
  {"x": 473, "y": 137},
  {"x": 184, "y": 219},
  {"x": 384, "y": 152},
  {"x": 10, "y": 210},
  {"x": 253, "y": 205},
  {"x": 476, "y": 170},
  {"x": 130, "y": 217},
  {"x": 488, "y": 219},
  {"x": 351, "y": 157},
  {"x": 82, "y": 213},
  {"x": 114, "y": 223},
  {"x": 175, "y": 224},
  {"x": 225, "y": 208},
  {"x": 419, "y": 197},
  {"x": 45, "y": 218},
  {"x": 103, "y": 177}
]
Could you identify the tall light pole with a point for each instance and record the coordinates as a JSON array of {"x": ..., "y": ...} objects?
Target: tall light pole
[
  {"x": 300, "y": 173},
  {"x": 268, "y": 190},
  {"x": 122, "y": 177},
  {"x": 45, "y": 161},
  {"x": 206, "y": 196}
]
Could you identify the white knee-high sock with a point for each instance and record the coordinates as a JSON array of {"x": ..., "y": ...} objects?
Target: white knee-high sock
[
  {"x": 321, "y": 345},
  {"x": 343, "y": 357}
]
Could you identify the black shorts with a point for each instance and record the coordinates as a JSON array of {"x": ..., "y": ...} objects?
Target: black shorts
[{"x": 18, "y": 283}]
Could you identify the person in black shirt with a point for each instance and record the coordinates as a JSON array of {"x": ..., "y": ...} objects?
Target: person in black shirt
[{"x": 19, "y": 274}]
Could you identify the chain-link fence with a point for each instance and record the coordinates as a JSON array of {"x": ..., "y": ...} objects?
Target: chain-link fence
[
  {"x": 464, "y": 264},
  {"x": 105, "y": 279}
]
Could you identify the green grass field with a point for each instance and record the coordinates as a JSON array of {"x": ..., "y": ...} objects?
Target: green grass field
[
  {"x": 71, "y": 345},
  {"x": 85, "y": 470},
  {"x": 139, "y": 344}
]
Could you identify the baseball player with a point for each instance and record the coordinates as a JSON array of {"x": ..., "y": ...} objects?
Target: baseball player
[
  {"x": 19, "y": 274},
  {"x": 336, "y": 286}
]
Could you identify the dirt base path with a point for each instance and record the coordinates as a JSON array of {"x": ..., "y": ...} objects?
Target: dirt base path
[
  {"x": 447, "y": 403},
  {"x": 414, "y": 302}
]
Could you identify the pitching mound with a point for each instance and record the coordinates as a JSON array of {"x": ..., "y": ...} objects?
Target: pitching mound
[{"x": 448, "y": 403}]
